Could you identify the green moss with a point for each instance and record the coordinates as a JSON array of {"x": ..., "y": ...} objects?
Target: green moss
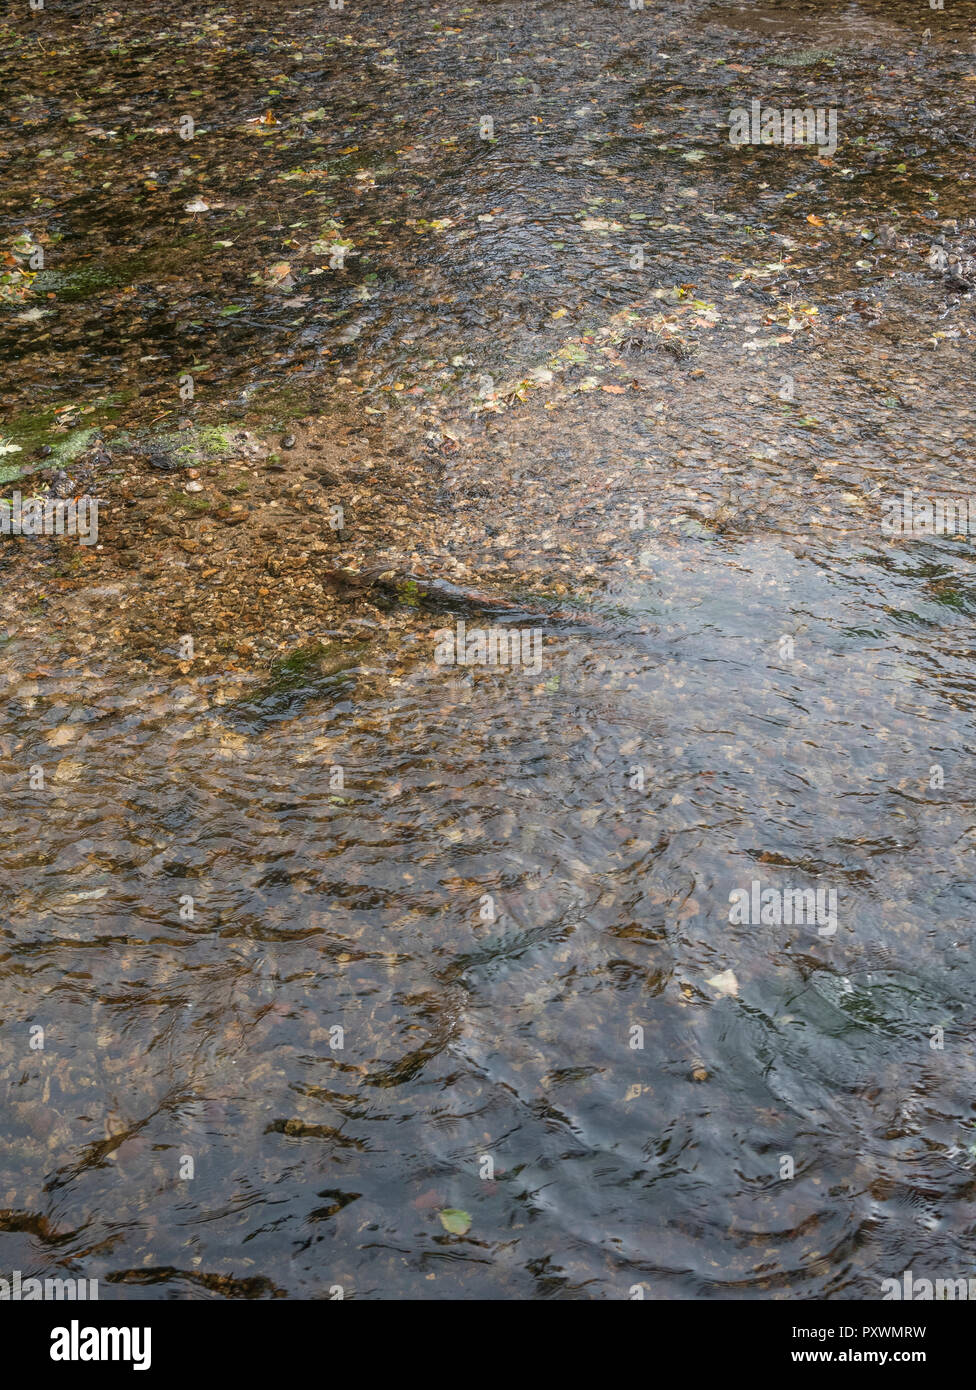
[
  {"x": 72, "y": 445},
  {"x": 188, "y": 503},
  {"x": 301, "y": 660},
  {"x": 73, "y": 285},
  {"x": 306, "y": 665},
  {"x": 182, "y": 448},
  {"x": 214, "y": 440},
  {"x": 64, "y": 450},
  {"x": 308, "y": 672},
  {"x": 32, "y": 429}
]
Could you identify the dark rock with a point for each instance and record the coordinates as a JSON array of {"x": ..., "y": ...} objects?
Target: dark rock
[{"x": 61, "y": 485}]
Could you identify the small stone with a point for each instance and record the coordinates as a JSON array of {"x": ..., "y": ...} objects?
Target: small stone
[
  {"x": 40, "y": 1119},
  {"x": 288, "y": 442},
  {"x": 194, "y": 487}
]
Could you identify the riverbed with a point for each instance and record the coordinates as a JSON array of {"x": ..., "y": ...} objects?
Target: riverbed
[{"x": 330, "y": 968}]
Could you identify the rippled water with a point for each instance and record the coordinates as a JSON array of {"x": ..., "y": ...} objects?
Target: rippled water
[{"x": 477, "y": 970}]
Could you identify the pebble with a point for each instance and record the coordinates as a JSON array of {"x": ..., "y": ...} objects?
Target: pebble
[{"x": 288, "y": 442}]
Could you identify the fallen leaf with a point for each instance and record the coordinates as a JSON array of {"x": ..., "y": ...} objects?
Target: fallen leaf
[
  {"x": 89, "y": 895},
  {"x": 455, "y": 1221},
  {"x": 725, "y": 983}
]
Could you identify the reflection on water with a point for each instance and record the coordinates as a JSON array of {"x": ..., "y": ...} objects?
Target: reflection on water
[{"x": 386, "y": 939}]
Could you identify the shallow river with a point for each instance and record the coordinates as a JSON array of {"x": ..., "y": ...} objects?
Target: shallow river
[{"x": 316, "y": 967}]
